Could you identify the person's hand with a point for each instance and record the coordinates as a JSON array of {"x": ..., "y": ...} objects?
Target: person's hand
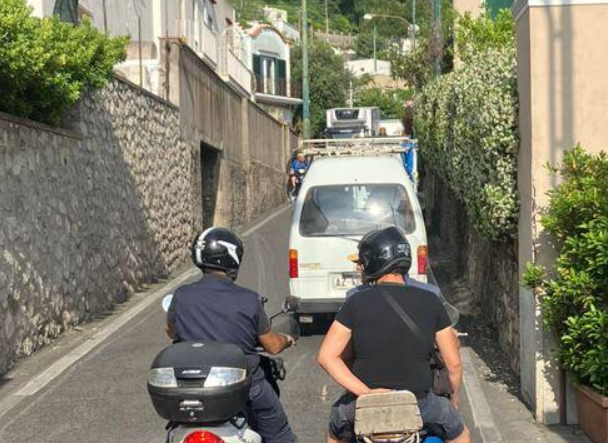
[
  {"x": 290, "y": 340},
  {"x": 377, "y": 391},
  {"x": 455, "y": 399}
]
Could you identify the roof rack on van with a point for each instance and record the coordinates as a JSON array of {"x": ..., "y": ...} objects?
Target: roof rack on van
[{"x": 356, "y": 146}]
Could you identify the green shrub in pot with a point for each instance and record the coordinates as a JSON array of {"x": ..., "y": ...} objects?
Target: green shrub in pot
[{"x": 575, "y": 292}]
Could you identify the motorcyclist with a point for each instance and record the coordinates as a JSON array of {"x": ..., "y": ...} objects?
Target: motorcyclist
[
  {"x": 215, "y": 308},
  {"x": 386, "y": 353},
  {"x": 297, "y": 170}
]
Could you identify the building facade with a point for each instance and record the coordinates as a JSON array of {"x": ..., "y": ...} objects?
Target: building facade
[
  {"x": 271, "y": 65},
  {"x": 208, "y": 26}
]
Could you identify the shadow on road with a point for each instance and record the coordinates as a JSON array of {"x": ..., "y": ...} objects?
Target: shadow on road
[
  {"x": 319, "y": 327},
  {"x": 482, "y": 336}
]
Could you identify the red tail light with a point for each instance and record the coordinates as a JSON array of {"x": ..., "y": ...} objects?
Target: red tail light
[
  {"x": 202, "y": 437},
  {"x": 293, "y": 263},
  {"x": 423, "y": 259}
]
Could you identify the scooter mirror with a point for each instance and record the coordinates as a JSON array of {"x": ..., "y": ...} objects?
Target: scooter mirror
[
  {"x": 291, "y": 303},
  {"x": 287, "y": 325},
  {"x": 167, "y": 302}
]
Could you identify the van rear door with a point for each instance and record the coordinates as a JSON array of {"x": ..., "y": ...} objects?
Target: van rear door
[{"x": 332, "y": 220}]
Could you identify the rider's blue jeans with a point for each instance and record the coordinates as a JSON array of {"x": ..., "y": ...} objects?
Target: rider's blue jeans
[{"x": 440, "y": 417}]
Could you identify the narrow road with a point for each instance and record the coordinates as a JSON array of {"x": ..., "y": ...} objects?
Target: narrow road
[{"x": 103, "y": 398}]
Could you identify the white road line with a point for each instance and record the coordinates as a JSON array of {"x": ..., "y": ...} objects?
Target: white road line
[
  {"x": 80, "y": 351},
  {"x": 482, "y": 415},
  {"x": 64, "y": 363},
  {"x": 266, "y": 220}
]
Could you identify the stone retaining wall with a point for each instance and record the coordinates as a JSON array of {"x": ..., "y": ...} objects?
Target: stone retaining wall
[
  {"x": 89, "y": 215},
  {"x": 490, "y": 269}
]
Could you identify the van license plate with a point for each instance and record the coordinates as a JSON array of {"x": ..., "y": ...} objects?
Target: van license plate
[{"x": 345, "y": 280}]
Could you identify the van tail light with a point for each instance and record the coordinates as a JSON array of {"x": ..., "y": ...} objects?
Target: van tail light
[
  {"x": 293, "y": 263},
  {"x": 423, "y": 259},
  {"x": 202, "y": 437}
]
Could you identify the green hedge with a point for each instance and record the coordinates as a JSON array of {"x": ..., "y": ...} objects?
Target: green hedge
[
  {"x": 466, "y": 122},
  {"x": 575, "y": 300},
  {"x": 46, "y": 64}
]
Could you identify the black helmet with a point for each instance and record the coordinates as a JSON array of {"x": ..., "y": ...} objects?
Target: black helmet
[
  {"x": 383, "y": 251},
  {"x": 218, "y": 248}
]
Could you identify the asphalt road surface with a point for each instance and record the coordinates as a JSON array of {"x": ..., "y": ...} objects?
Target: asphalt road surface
[{"x": 103, "y": 398}]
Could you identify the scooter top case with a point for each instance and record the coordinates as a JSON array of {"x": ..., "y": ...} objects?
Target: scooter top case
[{"x": 199, "y": 382}]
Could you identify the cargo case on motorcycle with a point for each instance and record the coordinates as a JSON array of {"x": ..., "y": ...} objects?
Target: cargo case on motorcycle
[{"x": 199, "y": 382}]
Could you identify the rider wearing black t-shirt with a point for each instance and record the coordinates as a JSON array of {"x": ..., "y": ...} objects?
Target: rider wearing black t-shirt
[
  {"x": 386, "y": 353},
  {"x": 376, "y": 363}
]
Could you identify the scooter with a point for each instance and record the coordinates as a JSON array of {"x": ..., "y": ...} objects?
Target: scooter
[
  {"x": 236, "y": 429},
  {"x": 299, "y": 174}
]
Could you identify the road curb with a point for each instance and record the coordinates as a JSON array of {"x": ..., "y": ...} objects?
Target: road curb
[{"x": 482, "y": 415}]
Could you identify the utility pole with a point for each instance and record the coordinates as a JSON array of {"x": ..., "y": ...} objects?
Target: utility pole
[
  {"x": 375, "y": 49},
  {"x": 305, "y": 81},
  {"x": 326, "y": 22},
  {"x": 413, "y": 24},
  {"x": 105, "y": 17},
  {"x": 438, "y": 44}
]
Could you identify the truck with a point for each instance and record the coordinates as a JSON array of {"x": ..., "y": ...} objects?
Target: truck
[{"x": 347, "y": 123}]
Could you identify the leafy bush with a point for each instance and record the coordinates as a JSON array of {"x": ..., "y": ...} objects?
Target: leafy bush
[
  {"x": 575, "y": 301},
  {"x": 476, "y": 35},
  {"x": 46, "y": 64},
  {"x": 466, "y": 122}
]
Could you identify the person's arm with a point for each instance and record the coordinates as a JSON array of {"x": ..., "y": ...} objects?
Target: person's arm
[
  {"x": 170, "y": 329},
  {"x": 170, "y": 324},
  {"x": 272, "y": 342},
  {"x": 447, "y": 342},
  {"x": 333, "y": 348},
  {"x": 275, "y": 343}
]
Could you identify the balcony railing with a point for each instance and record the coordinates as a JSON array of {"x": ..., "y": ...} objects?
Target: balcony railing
[
  {"x": 234, "y": 68},
  {"x": 277, "y": 86},
  {"x": 199, "y": 37}
]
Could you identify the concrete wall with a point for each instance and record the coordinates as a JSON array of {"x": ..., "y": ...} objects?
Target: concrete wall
[
  {"x": 563, "y": 77},
  {"x": 251, "y": 145},
  {"x": 91, "y": 214},
  {"x": 473, "y": 6},
  {"x": 489, "y": 268}
]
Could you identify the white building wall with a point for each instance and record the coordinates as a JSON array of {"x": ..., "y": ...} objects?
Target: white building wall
[{"x": 366, "y": 66}]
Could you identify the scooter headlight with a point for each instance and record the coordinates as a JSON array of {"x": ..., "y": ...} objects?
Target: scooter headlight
[
  {"x": 219, "y": 376},
  {"x": 162, "y": 378}
]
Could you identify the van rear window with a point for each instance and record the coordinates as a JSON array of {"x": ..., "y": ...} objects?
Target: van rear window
[{"x": 347, "y": 210}]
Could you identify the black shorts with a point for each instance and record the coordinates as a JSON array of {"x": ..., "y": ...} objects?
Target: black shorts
[{"x": 439, "y": 416}]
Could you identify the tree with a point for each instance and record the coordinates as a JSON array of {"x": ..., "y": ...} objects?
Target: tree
[
  {"x": 391, "y": 103},
  {"x": 329, "y": 82},
  {"x": 46, "y": 64},
  {"x": 474, "y": 35},
  {"x": 417, "y": 67}
]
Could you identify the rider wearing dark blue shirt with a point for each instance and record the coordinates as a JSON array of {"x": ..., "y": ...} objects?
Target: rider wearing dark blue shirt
[
  {"x": 297, "y": 169},
  {"x": 215, "y": 308}
]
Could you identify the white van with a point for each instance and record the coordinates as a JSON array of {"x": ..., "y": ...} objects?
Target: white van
[{"x": 342, "y": 199}]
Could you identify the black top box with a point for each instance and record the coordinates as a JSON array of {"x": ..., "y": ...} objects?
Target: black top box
[{"x": 199, "y": 382}]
